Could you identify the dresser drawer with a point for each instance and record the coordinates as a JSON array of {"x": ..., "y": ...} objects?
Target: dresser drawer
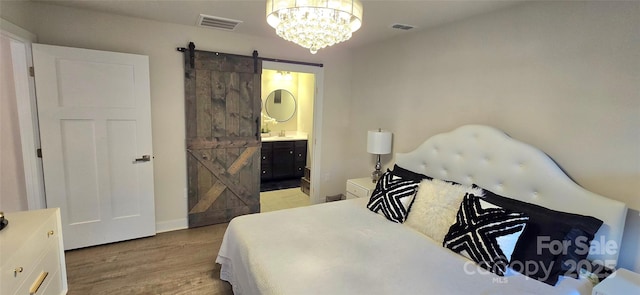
[
  {"x": 21, "y": 265},
  {"x": 49, "y": 265}
]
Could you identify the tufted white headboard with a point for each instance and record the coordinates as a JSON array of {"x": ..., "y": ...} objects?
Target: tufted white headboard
[{"x": 487, "y": 157}]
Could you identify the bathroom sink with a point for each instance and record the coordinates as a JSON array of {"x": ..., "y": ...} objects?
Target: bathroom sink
[
  {"x": 278, "y": 138},
  {"x": 268, "y": 135},
  {"x": 275, "y": 137}
]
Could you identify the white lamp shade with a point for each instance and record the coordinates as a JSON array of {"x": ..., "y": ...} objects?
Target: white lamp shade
[{"x": 379, "y": 142}]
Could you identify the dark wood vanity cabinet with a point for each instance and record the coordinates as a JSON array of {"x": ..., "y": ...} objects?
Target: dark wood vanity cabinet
[
  {"x": 300, "y": 155},
  {"x": 266, "y": 173},
  {"x": 283, "y": 159}
]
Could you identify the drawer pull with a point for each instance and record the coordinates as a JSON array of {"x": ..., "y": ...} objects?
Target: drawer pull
[
  {"x": 17, "y": 270},
  {"x": 36, "y": 285},
  {"x": 50, "y": 233}
]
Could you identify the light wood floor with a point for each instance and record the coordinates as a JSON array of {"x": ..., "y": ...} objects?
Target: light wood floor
[
  {"x": 177, "y": 262},
  {"x": 283, "y": 199}
]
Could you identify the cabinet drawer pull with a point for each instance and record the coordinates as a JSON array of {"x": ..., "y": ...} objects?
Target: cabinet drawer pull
[
  {"x": 291, "y": 152},
  {"x": 36, "y": 285},
  {"x": 50, "y": 233},
  {"x": 17, "y": 270}
]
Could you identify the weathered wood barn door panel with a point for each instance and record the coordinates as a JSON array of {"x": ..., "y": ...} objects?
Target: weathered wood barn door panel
[{"x": 222, "y": 102}]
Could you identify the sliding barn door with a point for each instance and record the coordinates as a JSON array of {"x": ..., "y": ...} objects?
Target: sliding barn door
[{"x": 222, "y": 102}]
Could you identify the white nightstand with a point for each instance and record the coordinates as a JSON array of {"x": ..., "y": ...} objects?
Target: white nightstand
[
  {"x": 360, "y": 187},
  {"x": 622, "y": 281}
]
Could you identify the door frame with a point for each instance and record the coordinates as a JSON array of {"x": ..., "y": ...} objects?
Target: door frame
[
  {"x": 317, "y": 119},
  {"x": 21, "y": 41}
]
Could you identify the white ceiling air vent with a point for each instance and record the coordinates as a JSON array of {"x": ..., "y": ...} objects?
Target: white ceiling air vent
[
  {"x": 402, "y": 27},
  {"x": 218, "y": 22}
]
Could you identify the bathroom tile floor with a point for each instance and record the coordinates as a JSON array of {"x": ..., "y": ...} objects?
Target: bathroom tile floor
[{"x": 283, "y": 199}]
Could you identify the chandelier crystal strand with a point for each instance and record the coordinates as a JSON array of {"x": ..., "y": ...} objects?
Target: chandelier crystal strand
[{"x": 315, "y": 24}]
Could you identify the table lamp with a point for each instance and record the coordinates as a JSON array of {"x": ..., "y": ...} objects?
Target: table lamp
[{"x": 378, "y": 143}]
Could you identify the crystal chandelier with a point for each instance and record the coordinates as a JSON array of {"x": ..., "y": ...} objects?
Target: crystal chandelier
[{"x": 315, "y": 24}]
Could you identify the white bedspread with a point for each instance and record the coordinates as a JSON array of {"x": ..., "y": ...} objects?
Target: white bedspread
[{"x": 343, "y": 248}]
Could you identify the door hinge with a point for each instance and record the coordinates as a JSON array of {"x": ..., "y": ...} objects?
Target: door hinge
[
  {"x": 32, "y": 72},
  {"x": 39, "y": 153}
]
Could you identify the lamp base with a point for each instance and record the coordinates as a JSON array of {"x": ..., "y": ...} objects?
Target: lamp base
[{"x": 375, "y": 176}]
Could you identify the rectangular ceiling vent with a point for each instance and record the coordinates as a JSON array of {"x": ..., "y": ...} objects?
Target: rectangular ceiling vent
[
  {"x": 402, "y": 27},
  {"x": 218, "y": 22}
]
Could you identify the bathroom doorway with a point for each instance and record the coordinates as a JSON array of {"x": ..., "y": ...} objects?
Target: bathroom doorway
[{"x": 291, "y": 99}]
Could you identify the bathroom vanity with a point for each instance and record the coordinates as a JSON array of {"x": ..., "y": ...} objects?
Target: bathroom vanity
[
  {"x": 283, "y": 157},
  {"x": 284, "y": 148}
]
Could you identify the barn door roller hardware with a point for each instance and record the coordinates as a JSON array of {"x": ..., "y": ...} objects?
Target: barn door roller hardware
[
  {"x": 192, "y": 54},
  {"x": 192, "y": 51}
]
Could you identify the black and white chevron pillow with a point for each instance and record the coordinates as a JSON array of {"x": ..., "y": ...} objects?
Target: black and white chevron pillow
[
  {"x": 393, "y": 196},
  {"x": 485, "y": 233}
]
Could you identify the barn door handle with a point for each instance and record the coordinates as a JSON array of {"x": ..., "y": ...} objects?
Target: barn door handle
[
  {"x": 145, "y": 158},
  {"x": 258, "y": 128}
]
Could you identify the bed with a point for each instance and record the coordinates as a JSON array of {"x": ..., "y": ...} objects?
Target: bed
[{"x": 346, "y": 248}]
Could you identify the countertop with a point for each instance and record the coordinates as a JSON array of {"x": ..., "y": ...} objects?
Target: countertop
[{"x": 290, "y": 135}]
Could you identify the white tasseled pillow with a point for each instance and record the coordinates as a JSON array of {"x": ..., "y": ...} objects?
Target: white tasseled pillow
[{"x": 435, "y": 207}]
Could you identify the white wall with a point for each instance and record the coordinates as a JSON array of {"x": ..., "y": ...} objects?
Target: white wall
[
  {"x": 564, "y": 77},
  {"x": 271, "y": 82},
  {"x": 84, "y": 29},
  {"x": 12, "y": 182},
  {"x": 306, "y": 98}
]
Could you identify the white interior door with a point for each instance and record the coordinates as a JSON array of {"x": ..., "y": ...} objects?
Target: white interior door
[{"x": 95, "y": 128}]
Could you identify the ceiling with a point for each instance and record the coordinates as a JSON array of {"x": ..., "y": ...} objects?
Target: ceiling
[{"x": 377, "y": 20}]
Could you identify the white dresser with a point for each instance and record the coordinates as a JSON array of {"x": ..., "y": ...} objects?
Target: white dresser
[
  {"x": 32, "y": 254},
  {"x": 360, "y": 187}
]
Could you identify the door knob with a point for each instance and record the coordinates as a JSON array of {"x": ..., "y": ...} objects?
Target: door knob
[{"x": 145, "y": 158}]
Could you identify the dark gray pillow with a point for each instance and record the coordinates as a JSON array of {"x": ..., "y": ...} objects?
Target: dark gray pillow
[
  {"x": 408, "y": 174},
  {"x": 545, "y": 227}
]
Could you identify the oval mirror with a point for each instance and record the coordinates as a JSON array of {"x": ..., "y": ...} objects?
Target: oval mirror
[{"x": 280, "y": 105}]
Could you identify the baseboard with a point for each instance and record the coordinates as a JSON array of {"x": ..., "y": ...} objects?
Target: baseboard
[{"x": 171, "y": 225}]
